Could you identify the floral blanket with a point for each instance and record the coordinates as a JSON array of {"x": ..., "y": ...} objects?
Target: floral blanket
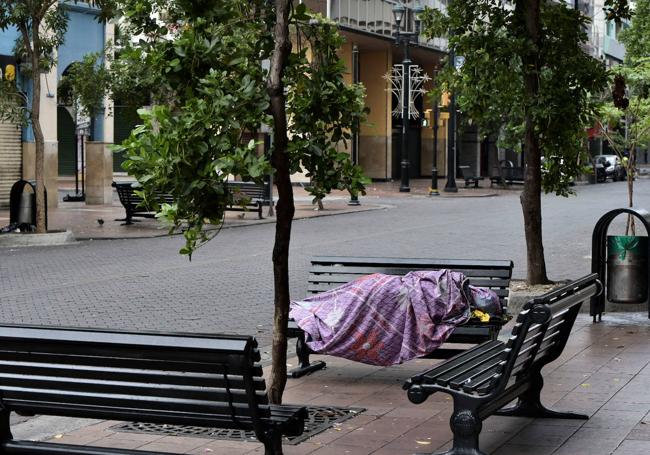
[{"x": 385, "y": 320}]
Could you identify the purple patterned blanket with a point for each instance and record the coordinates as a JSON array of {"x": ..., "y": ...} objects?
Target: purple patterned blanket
[{"x": 385, "y": 320}]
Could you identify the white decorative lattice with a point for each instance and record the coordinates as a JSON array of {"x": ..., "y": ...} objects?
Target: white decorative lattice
[{"x": 417, "y": 78}]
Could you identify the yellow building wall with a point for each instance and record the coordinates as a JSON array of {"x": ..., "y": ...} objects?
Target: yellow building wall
[{"x": 375, "y": 137}]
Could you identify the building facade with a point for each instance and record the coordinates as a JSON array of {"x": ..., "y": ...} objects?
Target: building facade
[{"x": 84, "y": 35}]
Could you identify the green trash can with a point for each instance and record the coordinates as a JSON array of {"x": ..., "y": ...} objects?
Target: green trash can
[{"x": 627, "y": 269}]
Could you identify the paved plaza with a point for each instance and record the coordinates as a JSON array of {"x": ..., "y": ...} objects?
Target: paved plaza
[{"x": 142, "y": 283}]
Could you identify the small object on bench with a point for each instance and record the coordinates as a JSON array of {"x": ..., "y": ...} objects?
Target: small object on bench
[
  {"x": 487, "y": 377},
  {"x": 212, "y": 381},
  {"x": 328, "y": 272},
  {"x": 133, "y": 203},
  {"x": 469, "y": 176}
]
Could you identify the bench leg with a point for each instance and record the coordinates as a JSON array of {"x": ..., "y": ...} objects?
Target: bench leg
[
  {"x": 273, "y": 443},
  {"x": 305, "y": 367},
  {"x": 5, "y": 426},
  {"x": 466, "y": 427},
  {"x": 530, "y": 404}
]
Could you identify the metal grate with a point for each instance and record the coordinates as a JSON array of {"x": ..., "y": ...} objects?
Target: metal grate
[{"x": 320, "y": 419}]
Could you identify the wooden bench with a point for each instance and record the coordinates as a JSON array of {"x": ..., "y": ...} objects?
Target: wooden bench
[
  {"x": 134, "y": 204},
  {"x": 328, "y": 272},
  {"x": 469, "y": 176},
  {"x": 199, "y": 380},
  {"x": 484, "y": 379}
]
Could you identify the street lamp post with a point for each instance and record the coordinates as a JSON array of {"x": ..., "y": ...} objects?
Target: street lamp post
[
  {"x": 450, "y": 186},
  {"x": 433, "y": 191},
  {"x": 405, "y": 38}
]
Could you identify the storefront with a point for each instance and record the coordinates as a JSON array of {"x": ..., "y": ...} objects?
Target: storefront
[{"x": 10, "y": 139}]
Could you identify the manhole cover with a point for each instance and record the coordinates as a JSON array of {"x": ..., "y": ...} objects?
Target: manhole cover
[{"x": 320, "y": 419}]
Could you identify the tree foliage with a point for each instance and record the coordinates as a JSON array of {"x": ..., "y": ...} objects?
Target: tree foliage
[
  {"x": 85, "y": 85},
  {"x": 624, "y": 116},
  {"x": 490, "y": 85},
  {"x": 209, "y": 70},
  {"x": 636, "y": 37},
  {"x": 526, "y": 77}
]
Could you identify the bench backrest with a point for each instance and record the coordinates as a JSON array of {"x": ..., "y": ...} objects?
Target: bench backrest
[
  {"x": 252, "y": 190},
  {"x": 328, "y": 272},
  {"x": 128, "y": 197},
  {"x": 190, "y": 379},
  {"x": 542, "y": 329}
]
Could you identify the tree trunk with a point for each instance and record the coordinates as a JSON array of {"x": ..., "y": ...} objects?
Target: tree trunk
[
  {"x": 285, "y": 208},
  {"x": 531, "y": 197},
  {"x": 34, "y": 53}
]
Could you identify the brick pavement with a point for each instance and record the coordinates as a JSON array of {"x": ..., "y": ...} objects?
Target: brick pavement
[{"x": 604, "y": 372}]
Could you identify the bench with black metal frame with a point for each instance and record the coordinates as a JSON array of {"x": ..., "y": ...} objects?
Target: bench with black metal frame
[
  {"x": 484, "y": 379},
  {"x": 202, "y": 380},
  {"x": 249, "y": 194},
  {"x": 245, "y": 194},
  {"x": 134, "y": 204},
  {"x": 469, "y": 176},
  {"x": 328, "y": 272}
]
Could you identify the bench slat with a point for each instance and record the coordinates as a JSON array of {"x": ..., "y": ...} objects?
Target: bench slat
[
  {"x": 176, "y": 363},
  {"x": 128, "y": 375},
  {"x": 114, "y": 387},
  {"x": 467, "y": 356},
  {"x": 410, "y": 262},
  {"x": 487, "y": 273}
]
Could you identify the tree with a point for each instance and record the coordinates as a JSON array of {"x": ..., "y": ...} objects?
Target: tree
[
  {"x": 526, "y": 75},
  {"x": 84, "y": 86},
  {"x": 209, "y": 59},
  {"x": 636, "y": 37},
  {"x": 42, "y": 25},
  {"x": 625, "y": 119}
]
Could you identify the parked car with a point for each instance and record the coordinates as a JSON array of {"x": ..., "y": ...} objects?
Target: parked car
[{"x": 614, "y": 168}]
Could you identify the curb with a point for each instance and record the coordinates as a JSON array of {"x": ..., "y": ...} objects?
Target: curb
[
  {"x": 27, "y": 240},
  {"x": 267, "y": 220}
]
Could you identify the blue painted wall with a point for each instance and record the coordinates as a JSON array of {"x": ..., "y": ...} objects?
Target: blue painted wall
[
  {"x": 7, "y": 41},
  {"x": 84, "y": 36}
]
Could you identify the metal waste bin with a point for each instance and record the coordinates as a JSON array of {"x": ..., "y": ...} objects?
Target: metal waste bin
[
  {"x": 627, "y": 269},
  {"x": 22, "y": 204},
  {"x": 621, "y": 264}
]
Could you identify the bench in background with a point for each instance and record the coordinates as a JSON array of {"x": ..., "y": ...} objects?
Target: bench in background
[
  {"x": 328, "y": 272},
  {"x": 245, "y": 194},
  {"x": 165, "y": 378},
  {"x": 134, "y": 204},
  {"x": 484, "y": 379},
  {"x": 249, "y": 194},
  {"x": 469, "y": 176}
]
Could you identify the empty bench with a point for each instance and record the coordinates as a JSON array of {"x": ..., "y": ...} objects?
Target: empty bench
[
  {"x": 328, "y": 272},
  {"x": 487, "y": 377},
  {"x": 243, "y": 195},
  {"x": 469, "y": 176},
  {"x": 165, "y": 378},
  {"x": 134, "y": 203},
  {"x": 249, "y": 194}
]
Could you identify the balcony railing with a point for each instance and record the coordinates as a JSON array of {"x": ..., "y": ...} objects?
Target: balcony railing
[{"x": 376, "y": 17}]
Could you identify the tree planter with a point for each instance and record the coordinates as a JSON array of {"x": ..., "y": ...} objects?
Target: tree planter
[{"x": 627, "y": 269}]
